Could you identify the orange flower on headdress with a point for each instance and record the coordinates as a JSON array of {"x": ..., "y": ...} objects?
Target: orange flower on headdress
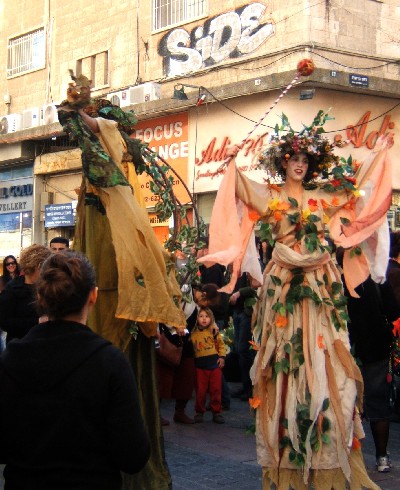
[
  {"x": 313, "y": 205},
  {"x": 335, "y": 201},
  {"x": 281, "y": 321},
  {"x": 320, "y": 341},
  {"x": 349, "y": 205},
  {"x": 278, "y": 216},
  {"x": 253, "y": 215},
  {"x": 254, "y": 402},
  {"x": 325, "y": 205}
]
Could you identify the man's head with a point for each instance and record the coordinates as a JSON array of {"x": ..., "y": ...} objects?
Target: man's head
[{"x": 58, "y": 244}]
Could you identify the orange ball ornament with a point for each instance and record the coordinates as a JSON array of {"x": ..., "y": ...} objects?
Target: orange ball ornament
[{"x": 305, "y": 67}]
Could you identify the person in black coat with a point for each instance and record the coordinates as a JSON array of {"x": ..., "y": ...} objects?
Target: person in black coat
[
  {"x": 69, "y": 409},
  {"x": 370, "y": 331},
  {"x": 17, "y": 301},
  {"x": 393, "y": 270}
]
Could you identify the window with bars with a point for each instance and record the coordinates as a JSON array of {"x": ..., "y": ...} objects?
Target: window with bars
[
  {"x": 95, "y": 67},
  {"x": 171, "y": 12},
  {"x": 26, "y": 53}
]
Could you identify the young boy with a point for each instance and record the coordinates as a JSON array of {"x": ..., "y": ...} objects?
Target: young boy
[{"x": 209, "y": 353}]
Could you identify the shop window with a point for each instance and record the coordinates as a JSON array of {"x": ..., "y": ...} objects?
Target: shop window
[
  {"x": 26, "y": 53},
  {"x": 16, "y": 173},
  {"x": 95, "y": 67},
  {"x": 168, "y": 13},
  {"x": 14, "y": 222}
]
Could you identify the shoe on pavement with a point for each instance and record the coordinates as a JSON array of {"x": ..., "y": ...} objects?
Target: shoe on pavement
[
  {"x": 164, "y": 422},
  {"x": 383, "y": 464},
  {"x": 182, "y": 418},
  {"x": 218, "y": 418},
  {"x": 198, "y": 418}
]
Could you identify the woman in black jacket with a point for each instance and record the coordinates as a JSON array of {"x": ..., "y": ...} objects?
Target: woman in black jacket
[
  {"x": 17, "y": 301},
  {"x": 69, "y": 410}
]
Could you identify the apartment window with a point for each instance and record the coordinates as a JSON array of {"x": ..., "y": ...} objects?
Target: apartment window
[
  {"x": 95, "y": 67},
  {"x": 26, "y": 53},
  {"x": 171, "y": 12}
]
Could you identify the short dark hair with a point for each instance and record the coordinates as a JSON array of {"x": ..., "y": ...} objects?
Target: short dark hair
[
  {"x": 60, "y": 239},
  {"x": 64, "y": 284}
]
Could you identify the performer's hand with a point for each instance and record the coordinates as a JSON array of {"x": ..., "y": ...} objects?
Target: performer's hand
[
  {"x": 221, "y": 362},
  {"x": 232, "y": 151},
  {"x": 90, "y": 121}
]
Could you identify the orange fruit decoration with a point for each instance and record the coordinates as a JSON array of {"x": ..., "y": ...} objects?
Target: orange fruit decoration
[{"x": 305, "y": 67}]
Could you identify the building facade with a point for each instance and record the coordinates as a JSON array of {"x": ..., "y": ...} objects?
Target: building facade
[{"x": 225, "y": 63}]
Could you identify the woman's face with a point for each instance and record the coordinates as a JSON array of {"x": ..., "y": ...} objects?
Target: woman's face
[
  {"x": 200, "y": 298},
  {"x": 11, "y": 265},
  {"x": 296, "y": 167}
]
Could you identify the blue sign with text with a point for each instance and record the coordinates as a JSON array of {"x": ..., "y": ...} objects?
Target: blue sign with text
[{"x": 56, "y": 215}]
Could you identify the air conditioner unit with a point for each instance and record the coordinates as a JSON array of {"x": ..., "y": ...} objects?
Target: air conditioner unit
[
  {"x": 10, "y": 123},
  {"x": 48, "y": 114},
  {"x": 30, "y": 118},
  {"x": 121, "y": 98},
  {"x": 144, "y": 93}
]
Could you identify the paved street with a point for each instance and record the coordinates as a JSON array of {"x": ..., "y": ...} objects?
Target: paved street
[{"x": 208, "y": 456}]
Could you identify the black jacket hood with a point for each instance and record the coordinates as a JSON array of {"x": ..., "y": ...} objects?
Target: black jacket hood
[{"x": 49, "y": 353}]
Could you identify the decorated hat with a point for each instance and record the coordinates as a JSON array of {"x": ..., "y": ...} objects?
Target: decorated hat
[{"x": 285, "y": 142}]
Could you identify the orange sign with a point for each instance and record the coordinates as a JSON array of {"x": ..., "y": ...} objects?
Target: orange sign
[{"x": 168, "y": 136}]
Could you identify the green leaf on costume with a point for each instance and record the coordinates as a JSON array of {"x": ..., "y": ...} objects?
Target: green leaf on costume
[
  {"x": 287, "y": 348},
  {"x": 355, "y": 251},
  {"x": 277, "y": 367},
  {"x": 293, "y": 202},
  {"x": 285, "y": 364},
  {"x": 276, "y": 280},
  {"x": 297, "y": 279},
  {"x": 345, "y": 221},
  {"x": 270, "y": 292},
  {"x": 284, "y": 441},
  {"x": 326, "y": 424},
  {"x": 325, "y": 438},
  {"x": 336, "y": 288},
  {"x": 325, "y": 404},
  {"x": 294, "y": 218},
  {"x": 313, "y": 218}
]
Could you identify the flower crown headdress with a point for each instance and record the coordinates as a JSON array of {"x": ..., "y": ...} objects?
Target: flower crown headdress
[{"x": 285, "y": 142}]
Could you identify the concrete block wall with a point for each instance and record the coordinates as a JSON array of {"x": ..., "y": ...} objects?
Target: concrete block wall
[{"x": 360, "y": 33}]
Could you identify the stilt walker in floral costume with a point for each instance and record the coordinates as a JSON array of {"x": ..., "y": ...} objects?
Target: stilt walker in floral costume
[
  {"x": 307, "y": 386},
  {"x": 136, "y": 280}
]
